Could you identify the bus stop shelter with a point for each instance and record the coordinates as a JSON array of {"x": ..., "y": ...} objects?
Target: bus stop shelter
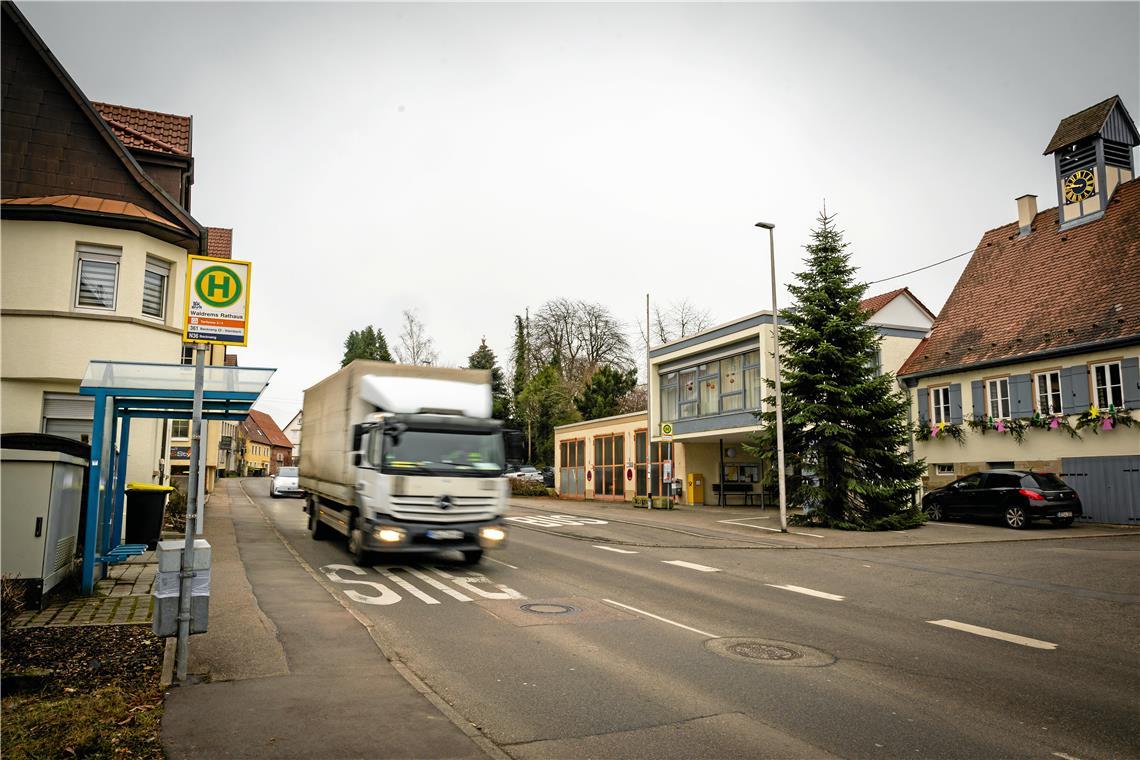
[{"x": 124, "y": 391}]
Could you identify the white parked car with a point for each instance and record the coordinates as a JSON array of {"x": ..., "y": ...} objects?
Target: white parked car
[
  {"x": 284, "y": 483},
  {"x": 526, "y": 472}
]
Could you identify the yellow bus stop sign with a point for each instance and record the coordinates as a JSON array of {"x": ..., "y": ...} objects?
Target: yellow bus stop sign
[{"x": 217, "y": 301}]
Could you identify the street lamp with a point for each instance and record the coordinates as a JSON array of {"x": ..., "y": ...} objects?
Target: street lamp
[{"x": 779, "y": 393}]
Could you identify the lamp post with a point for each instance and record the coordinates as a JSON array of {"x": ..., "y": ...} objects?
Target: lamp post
[{"x": 779, "y": 393}]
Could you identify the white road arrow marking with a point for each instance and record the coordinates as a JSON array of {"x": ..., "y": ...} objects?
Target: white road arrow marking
[{"x": 1013, "y": 638}]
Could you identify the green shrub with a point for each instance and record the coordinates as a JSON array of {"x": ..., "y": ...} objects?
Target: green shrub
[{"x": 520, "y": 487}]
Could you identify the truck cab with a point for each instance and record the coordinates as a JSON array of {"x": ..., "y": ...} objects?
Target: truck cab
[{"x": 413, "y": 462}]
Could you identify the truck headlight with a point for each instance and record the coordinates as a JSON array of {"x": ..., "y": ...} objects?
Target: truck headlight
[
  {"x": 492, "y": 533},
  {"x": 388, "y": 535}
]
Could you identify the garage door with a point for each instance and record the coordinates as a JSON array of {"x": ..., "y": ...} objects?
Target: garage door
[{"x": 1109, "y": 487}]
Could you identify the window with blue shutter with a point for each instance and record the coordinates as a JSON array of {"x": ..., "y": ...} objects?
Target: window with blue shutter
[
  {"x": 1075, "y": 388},
  {"x": 923, "y": 405},
  {"x": 1131, "y": 367},
  {"x": 955, "y": 403},
  {"x": 1021, "y": 395},
  {"x": 977, "y": 398}
]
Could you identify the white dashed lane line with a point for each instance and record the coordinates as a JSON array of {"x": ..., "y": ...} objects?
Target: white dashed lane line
[
  {"x": 691, "y": 565},
  {"x": 977, "y": 630},
  {"x": 809, "y": 592},
  {"x": 663, "y": 620},
  {"x": 743, "y": 524},
  {"x": 615, "y": 549}
]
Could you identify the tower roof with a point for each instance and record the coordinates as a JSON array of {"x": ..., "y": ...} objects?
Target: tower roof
[{"x": 1089, "y": 122}]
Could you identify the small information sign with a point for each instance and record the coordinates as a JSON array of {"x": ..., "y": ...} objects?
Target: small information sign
[{"x": 217, "y": 301}]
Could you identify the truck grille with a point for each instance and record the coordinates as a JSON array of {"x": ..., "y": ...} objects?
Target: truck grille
[{"x": 427, "y": 508}]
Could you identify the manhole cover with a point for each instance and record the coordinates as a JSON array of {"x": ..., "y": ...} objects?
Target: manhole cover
[
  {"x": 769, "y": 652},
  {"x": 549, "y": 609},
  {"x": 759, "y": 651}
]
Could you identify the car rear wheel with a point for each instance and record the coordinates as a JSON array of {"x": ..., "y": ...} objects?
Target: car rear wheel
[
  {"x": 934, "y": 512},
  {"x": 1015, "y": 517},
  {"x": 1062, "y": 522}
]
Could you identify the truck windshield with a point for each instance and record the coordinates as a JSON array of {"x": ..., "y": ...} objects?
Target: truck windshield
[{"x": 445, "y": 453}]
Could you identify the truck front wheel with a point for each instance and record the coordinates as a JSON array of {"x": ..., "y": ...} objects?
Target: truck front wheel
[
  {"x": 472, "y": 557},
  {"x": 360, "y": 555}
]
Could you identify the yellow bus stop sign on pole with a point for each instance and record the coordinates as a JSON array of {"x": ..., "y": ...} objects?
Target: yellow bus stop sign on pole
[{"x": 217, "y": 301}]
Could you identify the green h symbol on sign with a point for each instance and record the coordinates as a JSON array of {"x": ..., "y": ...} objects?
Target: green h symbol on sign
[
  {"x": 216, "y": 282},
  {"x": 218, "y": 286}
]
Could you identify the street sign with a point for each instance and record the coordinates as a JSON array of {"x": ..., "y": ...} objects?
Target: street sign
[
  {"x": 226, "y": 442},
  {"x": 667, "y": 429},
  {"x": 217, "y": 302}
]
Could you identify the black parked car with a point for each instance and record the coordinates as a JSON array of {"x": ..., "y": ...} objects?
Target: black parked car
[
  {"x": 1016, "y": 496},
  {"x": 548, "y": 477}
]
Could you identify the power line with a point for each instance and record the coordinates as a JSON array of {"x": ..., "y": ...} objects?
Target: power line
[{"x": 928, "y": 266}]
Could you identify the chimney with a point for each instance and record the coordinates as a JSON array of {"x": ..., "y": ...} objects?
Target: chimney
[{"x": 1026, "y": 211}]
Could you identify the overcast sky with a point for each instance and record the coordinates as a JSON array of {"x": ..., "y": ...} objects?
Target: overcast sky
[{"x": 468, "y": 161}]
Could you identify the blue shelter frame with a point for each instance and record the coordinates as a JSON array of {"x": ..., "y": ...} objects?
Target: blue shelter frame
[{"x": 124, "y": 391}]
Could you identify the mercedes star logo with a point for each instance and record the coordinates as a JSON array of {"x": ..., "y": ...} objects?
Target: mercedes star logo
[{"x": 444, "y": 502}]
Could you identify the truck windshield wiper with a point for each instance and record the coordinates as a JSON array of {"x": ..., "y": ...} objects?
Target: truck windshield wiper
[{"x": 405, "y": 467}]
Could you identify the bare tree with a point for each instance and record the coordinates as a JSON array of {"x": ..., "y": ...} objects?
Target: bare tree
[
  {"x": 415, "y": 346},
  {"x": 579, "y": 337},
  {"x": 678, "y": 319}
]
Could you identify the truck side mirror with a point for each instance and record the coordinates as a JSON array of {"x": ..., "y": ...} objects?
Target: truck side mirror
[
  {"x": 357, "y": 436},
  {"x": 357, "y": 459}
]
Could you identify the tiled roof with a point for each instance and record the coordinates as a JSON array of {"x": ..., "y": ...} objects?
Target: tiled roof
[
  {"x": 219, "y": 242},
  {"x": 268, "y": 429},
  {"x": 88, "y": 203},
  {"x": 148, "y": 130},
  {"x": 1081, "y": 124},
  {"x": 1048, "y": 290},
  {"x": 875, "y": 303}
]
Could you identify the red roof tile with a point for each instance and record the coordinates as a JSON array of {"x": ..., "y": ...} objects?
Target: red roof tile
[
  {"x": 1047, "y": 290},
  {"x": 875, "y": 303},
  {"x": 261, "y": 423},
  {"x": 88, "y": 203},
  {"x": 148, "y": 130},
  {"x": 219, "y": 242}
]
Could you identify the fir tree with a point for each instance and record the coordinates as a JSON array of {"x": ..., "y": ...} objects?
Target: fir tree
[
  {"x": 484, "y": 358},
  {"x": 845, "y": 426},
  {"x": 520, "y": 358},
  {"x": 368, "y": 343},
  {"x": 603, "y": 393}
]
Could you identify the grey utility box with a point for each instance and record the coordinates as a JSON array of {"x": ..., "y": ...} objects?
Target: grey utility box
[
  {"x": 42, "y": 494},
  {"x": 166, "y": 585}
]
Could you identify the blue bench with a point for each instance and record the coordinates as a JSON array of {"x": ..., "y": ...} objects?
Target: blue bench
[{"x": 122, "y": 553}]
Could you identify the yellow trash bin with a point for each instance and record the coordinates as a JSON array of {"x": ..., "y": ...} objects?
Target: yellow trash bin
[{"x": 696, "y": 488}]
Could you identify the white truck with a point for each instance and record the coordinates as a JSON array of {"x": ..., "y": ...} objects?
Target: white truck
[{"x": 402, "y": 458}]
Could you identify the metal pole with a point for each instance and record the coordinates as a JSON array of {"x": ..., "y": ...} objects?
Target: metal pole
[
  {"x": 648, "y": 410},
  {"x": 182, "y": 648},
  {"x": 779, "y": 390}
]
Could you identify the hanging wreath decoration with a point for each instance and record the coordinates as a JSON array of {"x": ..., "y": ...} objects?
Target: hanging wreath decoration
[
  {"x": 1015, "y": 427},
  {"x": 1054, "y": 422}
]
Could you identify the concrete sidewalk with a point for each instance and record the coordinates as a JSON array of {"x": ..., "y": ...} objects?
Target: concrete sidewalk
[
  {"x": 290, "y": 672},
  {"x": 760, "y": 526}
]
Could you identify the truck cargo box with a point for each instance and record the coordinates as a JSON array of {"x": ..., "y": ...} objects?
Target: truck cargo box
[{"x": 334, "y": 405}]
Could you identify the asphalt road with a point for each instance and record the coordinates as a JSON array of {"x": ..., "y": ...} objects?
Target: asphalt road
[{"x": 648, "y": 642}]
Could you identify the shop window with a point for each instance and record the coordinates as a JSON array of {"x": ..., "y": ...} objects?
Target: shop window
[
  {"x": 180, "y": 428},
  {"x": 660, "y": 452},
  {"x": 609, "y": 465}
]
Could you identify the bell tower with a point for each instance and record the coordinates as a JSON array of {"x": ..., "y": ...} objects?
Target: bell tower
[{"x": 1092, "y": 151}]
